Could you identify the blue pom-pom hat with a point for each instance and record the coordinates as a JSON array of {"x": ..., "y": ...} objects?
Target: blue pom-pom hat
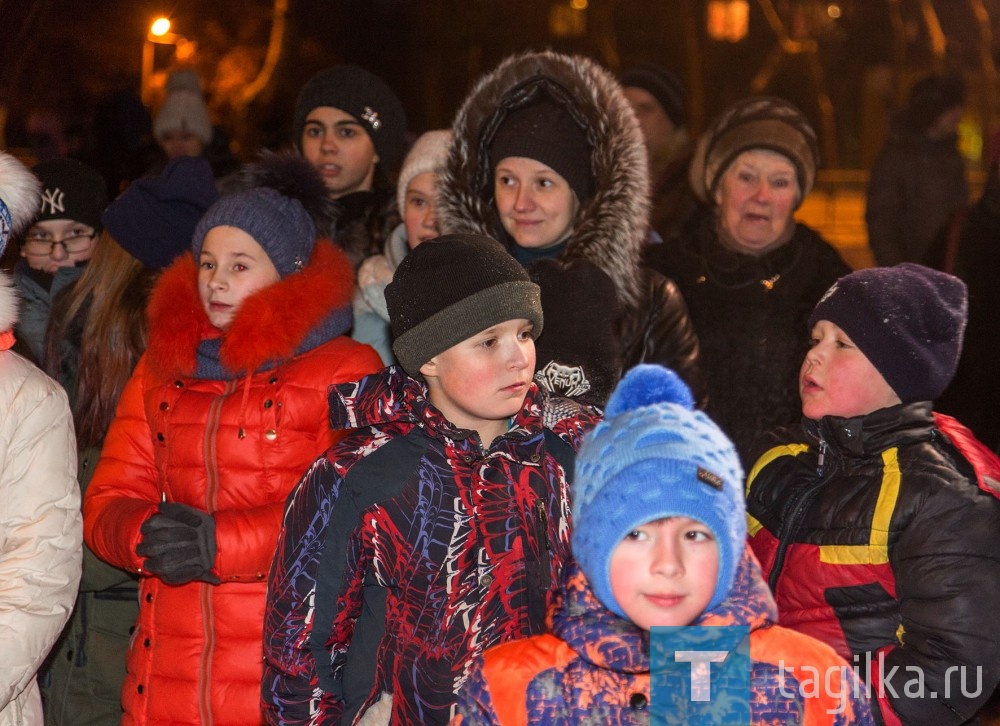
[{"x": 653, "y": 456}]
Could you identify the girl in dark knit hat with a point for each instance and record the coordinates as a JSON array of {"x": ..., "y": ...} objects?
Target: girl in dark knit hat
[
  {"x": 875, "y": 520},
  {"x": 351, "y": 126},
  {"x": 224, "y": 411},
  {"x": 749, "y": 272},
  {"x": 548, "y": 158}
]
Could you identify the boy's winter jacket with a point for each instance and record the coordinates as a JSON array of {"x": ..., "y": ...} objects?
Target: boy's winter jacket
[
  {"x": 410, "y": 548},
  {"x": 876, "y": 539},
  {"x": 611, "y": 227},
  {"x": 594, "y": 667},
  {"x": 225, "y": 423},
  {"x": 40, "y": 531}
]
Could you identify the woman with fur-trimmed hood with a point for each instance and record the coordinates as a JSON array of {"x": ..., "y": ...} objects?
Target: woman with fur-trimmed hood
[
  {"x": 225, "y": 410},
  {"x": 549, "y": 158}
]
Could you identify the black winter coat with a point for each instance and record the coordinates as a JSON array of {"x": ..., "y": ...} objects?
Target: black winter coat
[
  {"x": 750, "y": 314},
  {"x": 876, "y": 539}
]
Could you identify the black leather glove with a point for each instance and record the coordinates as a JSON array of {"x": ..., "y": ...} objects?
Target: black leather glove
[{"x": 178, "y": 543}]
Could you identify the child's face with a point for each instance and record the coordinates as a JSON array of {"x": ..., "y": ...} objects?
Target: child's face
[
  {"x": 181, "y": 142},
  {"x": 419, "y": 213},
  {"x": 335, "y": 143},
  {"x": 837, "y": 379},
  {"x": 56, "y": 243},
  {"x": 481, "y": 382},
  {"x": 232, "y": 267},
  {"x": 535, "y": 203},
  {"x": 665, "y": 572}
]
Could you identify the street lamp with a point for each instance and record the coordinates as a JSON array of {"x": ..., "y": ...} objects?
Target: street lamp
[
  {"x": 727, "y": 20},
  {"x": 159, "y": 34}
]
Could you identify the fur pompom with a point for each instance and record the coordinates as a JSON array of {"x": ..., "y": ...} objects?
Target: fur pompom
[
  {"x": 20, "y": 192},
  {"x": 292, "y": 176}
]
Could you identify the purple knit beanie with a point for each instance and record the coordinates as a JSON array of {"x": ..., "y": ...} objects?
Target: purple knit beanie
[{"x": 908, "y": 320}]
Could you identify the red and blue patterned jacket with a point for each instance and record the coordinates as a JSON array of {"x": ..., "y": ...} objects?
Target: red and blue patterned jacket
[
  {"x": 594, "y": 667},
  {"x": 880, "y": 535},
  {"x": 408, "y": 549}
]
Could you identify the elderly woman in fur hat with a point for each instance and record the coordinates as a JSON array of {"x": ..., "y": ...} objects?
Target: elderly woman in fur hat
[
  {"x": 548, "y": 157},
  {"x": 749, "y": 272}
]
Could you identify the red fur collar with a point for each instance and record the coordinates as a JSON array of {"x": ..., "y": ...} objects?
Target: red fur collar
[{"x": 269, "y": 325}]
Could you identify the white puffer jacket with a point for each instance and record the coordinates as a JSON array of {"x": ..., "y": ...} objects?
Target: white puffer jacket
[{"x": 41, "y": 528}]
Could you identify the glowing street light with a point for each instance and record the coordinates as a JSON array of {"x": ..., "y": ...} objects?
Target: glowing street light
[
  {"x": 160, "y": 27},
  {"x": 159, "y": 34}
]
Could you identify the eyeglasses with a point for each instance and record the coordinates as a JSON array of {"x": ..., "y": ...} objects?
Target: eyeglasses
[{"x": 41, "y": 244}]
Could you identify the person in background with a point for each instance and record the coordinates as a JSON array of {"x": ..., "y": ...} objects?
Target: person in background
[
  {"x": 58, "y": 243},
  {"x": 658, "y": 98},
  {"x": 875, "y": 520},
  {"x": 416, "y": 197},
  {"x": 917, "y": 182},
  {"x": 97, "y": 336},
  {"x": 750, "y": 273},
  {"x": 659, "y": 539},
  {"x": 548, "y": 159},
  {"x": 441, "y": 526},
  {"x": 973, "y": 396},
  {"x": 225, "y": 410},
  {"x": 351, "y": 126},
  {"x": 183, "y": 127},
  {"x": 40, "y": 528}
]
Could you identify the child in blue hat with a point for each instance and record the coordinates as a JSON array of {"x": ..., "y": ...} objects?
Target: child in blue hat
[{"x": 659, "y": 540}]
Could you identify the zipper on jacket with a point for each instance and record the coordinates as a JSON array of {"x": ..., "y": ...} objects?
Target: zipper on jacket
[
  {"x": 792, "y": 523},
  {"x": 544, "y": 544}
]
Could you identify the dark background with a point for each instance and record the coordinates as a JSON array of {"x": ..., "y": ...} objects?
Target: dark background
[{"x": 76, "y": 65}]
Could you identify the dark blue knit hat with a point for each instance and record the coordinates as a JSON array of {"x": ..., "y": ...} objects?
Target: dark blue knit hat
[
  {"x": 653, "y": 456},
  {"x": 278, "y": 223},
  {"x": 155, "y": 217},
  {"x": 908, "y": 320}
]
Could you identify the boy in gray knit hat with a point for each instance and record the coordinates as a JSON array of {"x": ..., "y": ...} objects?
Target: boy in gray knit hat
[{"x": 440, "y": 526}]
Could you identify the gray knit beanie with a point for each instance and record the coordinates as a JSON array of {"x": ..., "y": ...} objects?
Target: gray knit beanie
[
  {"x": 452, "y": 287},
  {"x": 278, "y": 223},
  {"x": 428, "y": 154}
]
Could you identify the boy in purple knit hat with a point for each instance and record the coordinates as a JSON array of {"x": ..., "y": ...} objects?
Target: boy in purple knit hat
[{"x": 875, "y": 520}]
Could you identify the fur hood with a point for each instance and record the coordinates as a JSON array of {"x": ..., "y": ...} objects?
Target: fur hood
[
  {"x": 611, "y": 226},
  {"x": 269, "y": 326}
]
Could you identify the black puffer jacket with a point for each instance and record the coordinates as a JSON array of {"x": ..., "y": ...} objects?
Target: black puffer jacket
[
  {"x": 611, "y": 227},
  {"x": 876, "y": 539},
  {"x": 751, "y": 316}
]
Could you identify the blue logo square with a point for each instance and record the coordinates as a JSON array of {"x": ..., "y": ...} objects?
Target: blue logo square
[{"x": 699, "y": 675}]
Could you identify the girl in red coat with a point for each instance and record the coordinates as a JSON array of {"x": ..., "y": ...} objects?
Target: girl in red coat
[{"x": 224, "y": 411}]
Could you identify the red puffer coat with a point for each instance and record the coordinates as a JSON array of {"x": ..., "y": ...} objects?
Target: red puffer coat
[{"x": 233, "y": 445}]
